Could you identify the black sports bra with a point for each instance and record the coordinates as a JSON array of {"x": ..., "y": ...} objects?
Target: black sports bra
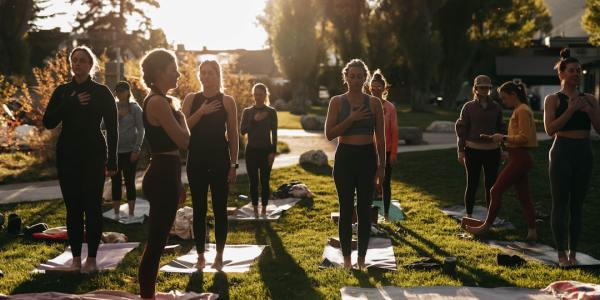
[
  {"x": 578, "y": 121},
  {"x": 157, "y": 137}
]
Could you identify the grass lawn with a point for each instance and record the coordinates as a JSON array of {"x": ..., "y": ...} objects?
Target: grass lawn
[
  {"x": 406, "y": 117},
  {"x": 23, "y": 167},
  {"x": 288, "y": 268}
]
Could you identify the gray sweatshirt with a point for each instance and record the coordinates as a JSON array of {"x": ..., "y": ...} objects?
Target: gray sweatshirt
[{"x": 131, "y": 130}]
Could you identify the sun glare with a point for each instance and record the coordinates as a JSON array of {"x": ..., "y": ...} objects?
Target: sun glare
[{"x": 215, "y": 24}]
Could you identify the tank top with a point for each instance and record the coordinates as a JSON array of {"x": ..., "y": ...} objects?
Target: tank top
[
  {"x": 207, "y": 137},
  {"x": 578, "y": 121},
  {"x": 361, "y": 127},
  {"x": 157, "y": 137}
]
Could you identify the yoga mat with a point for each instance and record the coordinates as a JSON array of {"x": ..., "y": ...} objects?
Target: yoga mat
[
  {"x": 541, "y": 253},
  {"x": 142, "y": 210},
  {"x": 107, "y": 258},
  {"x": 443, "y": 293},
  {"x": 395, "y": 212},
  {"x": 380, "y": 254},
  {"x": 479, "y": 212},
  {"x": 111, "y": 295},
  {"x": 236, "y": 259},
  {"x": 275, "y": 209}
]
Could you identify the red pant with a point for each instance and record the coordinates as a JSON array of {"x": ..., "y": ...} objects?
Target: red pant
[{"x": 516, "y": 173}]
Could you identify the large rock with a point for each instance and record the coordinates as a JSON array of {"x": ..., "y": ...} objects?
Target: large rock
[
  {"x": 312, "y": 122},
  {"x": 411, "y": 135},
  {"x": 441, "y": 126},
  {"x": 280, "y": 105},
  {"x": 314, "y": 157}
]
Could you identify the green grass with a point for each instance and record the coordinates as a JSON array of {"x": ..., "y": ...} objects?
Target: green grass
[
  {"x": 23, "y": 167},
  {"x": 287, "y": 120},
  {"x": 288, "y": 268}
]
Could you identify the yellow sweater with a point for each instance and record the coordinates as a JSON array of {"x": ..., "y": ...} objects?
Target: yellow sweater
[{"x": 521, "y": 128}]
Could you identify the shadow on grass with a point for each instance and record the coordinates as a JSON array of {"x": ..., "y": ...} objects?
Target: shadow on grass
[
  {"x": 474, "y": 276},
  {"x": 280, "y": 273}
]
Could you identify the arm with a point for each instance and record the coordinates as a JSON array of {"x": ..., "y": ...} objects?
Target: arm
[
  {"x": 245, "y": 126},
  {"x": 232, "y": 128},
  {"x": 109, "y": 116},
  {"x": 394, "y": 133},
  {"x": 274, "y": 126},
  {"x": 186, "y": 108},
  {"x": 57, "y": 108},
  {"x": 525, "y": 119},
  {"x": 462, "y": 126},
  {"x": 139, "y": 125},
  {"x": 552, "y": 124},
  {"x": 333, "y": 130},
  {"x": 593, "y": 111},
  {"x": 379, "y": 130},
  {"x": 159, "y": 110}
]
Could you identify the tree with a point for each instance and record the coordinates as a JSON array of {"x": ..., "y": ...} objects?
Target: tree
[
  {"x": 347, "y": 32},
  {"x": 17, "y": 17},
  {"x": 591, "y": 21},
  {"x": 112, "y": 15},
  {"x": 291, "y": 26},
  {"x": 472, "y": 28}
]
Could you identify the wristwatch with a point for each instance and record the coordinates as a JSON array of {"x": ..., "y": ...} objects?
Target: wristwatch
[{"x": 234, "y": 165}]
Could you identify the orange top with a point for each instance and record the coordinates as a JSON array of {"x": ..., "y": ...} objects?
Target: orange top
[{"x": 521, "y": 128}]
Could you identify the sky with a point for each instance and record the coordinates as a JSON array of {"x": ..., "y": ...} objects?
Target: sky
[{"x": 214, "y": 24}]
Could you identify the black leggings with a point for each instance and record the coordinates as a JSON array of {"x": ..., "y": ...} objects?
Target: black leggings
[
  {"x": 161, "y": 186},
  {"x": 201, "y": 177},
  {"x": 81, "y": 181},
  {"x": 258, "y": 159},
  {"x": 127, "y": 172},
  {"x": 387, "y": 184},
  {"x": 474, "y": 160},
  {"x": 354, "y": 170},
  {"x": 570, "y": 169}
]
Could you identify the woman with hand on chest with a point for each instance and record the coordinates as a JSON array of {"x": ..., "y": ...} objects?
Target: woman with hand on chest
[{"x": 260, "y": 123}]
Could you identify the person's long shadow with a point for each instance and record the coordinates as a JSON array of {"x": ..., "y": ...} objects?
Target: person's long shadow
[
  {"x": 473, "y": 276},
  {"x": 281, "y": 274},
  {"x": 220, "y": 285}
]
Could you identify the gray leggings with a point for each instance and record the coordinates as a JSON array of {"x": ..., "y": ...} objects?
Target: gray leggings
[{"x": 570, "y": 169}]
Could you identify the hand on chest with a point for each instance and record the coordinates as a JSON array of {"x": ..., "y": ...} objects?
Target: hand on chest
[{"x": 260, "y": 115}]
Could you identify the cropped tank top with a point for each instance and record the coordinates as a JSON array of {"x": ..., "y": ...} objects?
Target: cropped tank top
[
  {"x": 208, "y": 135},
  {"x": 361, "y": 127},
  {"x": 578, "y": 121},
  {"x": 157, "y": 137}
]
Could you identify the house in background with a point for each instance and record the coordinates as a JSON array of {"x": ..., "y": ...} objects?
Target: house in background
[{"x": 534, "y": 65}]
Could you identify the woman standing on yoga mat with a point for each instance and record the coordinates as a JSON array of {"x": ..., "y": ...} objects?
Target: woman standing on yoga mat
[
  {"x": 379, "y": 88},
  {"x": 520, "y": 140},
  {"x": 356, "y": 119},
  {"x": 131, "y": 136},
  {"x": 83, "y": 155},
  {"x": 568, "y": 116},
  {"x": 260, "y": 123},
  {"x": 479, "y": 116},
  {"x": 212, "y": 156},
  {"x": 166, "y": 133}
]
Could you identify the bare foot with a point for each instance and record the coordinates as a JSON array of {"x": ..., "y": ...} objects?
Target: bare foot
[
  {"x": 531, "y": 236},
  {"x": 386, "y": 217},
  {"x": 563, "y": 261},
  {"x": 218, "y": 263},
  {"x": 201, "y": 262},
  {"x": 90, "y": 266},
  {"x": 572, "y": 258},
  {"x": 361, "y": 263},
  {"x": 466, "y": 221},
  {"x": 478, "y": 230},
  {"x": 76, "y": 263},
  {"x": 347, "y": 262},
  {"x": 263, "y": 211},
  {"x": 255, "y": 211}
]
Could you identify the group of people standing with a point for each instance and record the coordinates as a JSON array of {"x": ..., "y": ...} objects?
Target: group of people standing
[
  {"x": 361, "y": 119},
  {"x": 205, "y": 125},
  {"x": 483, "y": 141}
]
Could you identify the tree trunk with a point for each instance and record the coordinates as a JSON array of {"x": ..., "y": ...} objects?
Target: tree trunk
[{"x": 297, "y": 105}]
